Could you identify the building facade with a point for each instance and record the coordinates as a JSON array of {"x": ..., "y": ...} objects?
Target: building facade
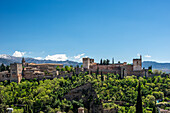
[
  {"x": 16, "y": 72},
  {"x": 122, "y": 69},
  {"x": 29, "y": 71}
]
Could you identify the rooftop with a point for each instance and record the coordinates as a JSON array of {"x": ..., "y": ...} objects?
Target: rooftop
[{"x": 52, "y": 64}]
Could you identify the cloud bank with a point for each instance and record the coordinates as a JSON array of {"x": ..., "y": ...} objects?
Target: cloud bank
[
  {"x": 38, "y": 58},
  {"x": 57, "y": 57},
  {"x": 147, "y": 56},
  {"x": 18, "y": 54}
]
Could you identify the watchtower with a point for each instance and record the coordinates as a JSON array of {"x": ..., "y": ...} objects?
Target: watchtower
[
  {"x": 137, "y": 64},
  {"x": 87, "y": 62},
  {"x": 16, "y": 72}
]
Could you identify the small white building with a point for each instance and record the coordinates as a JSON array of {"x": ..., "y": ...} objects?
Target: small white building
[{"x": 9, "y": 110}]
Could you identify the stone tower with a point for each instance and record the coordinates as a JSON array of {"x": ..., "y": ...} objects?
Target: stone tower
[
  {"x": 137, "y": 64},
  {"x": 87, "y": 62},
  {"x": 16, "y": 72}
]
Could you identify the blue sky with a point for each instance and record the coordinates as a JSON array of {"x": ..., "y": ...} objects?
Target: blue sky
[{"x": 72, "y": 29}]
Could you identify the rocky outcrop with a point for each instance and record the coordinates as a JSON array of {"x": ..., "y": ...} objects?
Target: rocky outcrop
[{"x": 89, "y": 97}]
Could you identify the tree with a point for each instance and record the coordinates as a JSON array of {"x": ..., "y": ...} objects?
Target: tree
[
  {"x": 102, "y": 77},
  {"x": 154, "y": 108},
  {"x": 107, "y": 62},
  {"x": 97, "y": 72},
  {"x": 62, "y": 69},
  {"x": 7, "y": 68},
  {"x": 58, "y": 68},
  {"x": 112, "y": 60},
  {"x": 77, "y": 66},
  {"x": 67, "y": 68},
  {"x": 101, "y": 62},
  {"x": 73, "y": 73},
  {"x": 104, "y": 62},
  {"x": 107, "y": 76},
  {"x": 3, "y": 68},
  {"x": 139, "y": 108}
]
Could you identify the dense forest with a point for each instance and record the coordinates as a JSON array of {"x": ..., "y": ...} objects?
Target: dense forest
[{"x": 46, "y": 96}]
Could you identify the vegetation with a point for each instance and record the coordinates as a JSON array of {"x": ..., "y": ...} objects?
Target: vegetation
[
  {"x": 104, "y": 62},
  {"x": 4, "y": 68},
  {"x": 113, "y": 93},
  {"x": 139, "y": 107}
]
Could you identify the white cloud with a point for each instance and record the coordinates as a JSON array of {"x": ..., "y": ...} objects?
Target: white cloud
[
  {"x": 38, "y": 58},
  {"x": 147, "y": 56},
  {"x": 79, "y": 56},
  {"x": 18, "y": 54},
  {"x": 57, "y": 57}
]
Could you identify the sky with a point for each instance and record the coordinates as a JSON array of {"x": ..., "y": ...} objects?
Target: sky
[{"x": 72, "y": 29}]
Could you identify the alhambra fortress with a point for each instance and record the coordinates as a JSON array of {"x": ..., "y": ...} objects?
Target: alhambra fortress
[
  {"x": 122, "y": 69},
  {"x": 29, "y": 71}
]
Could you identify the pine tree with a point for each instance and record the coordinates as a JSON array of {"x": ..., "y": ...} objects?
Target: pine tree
[{"x": 139, "y": 108}]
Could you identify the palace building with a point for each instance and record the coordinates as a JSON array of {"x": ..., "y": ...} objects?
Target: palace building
[
  {"x": 29, "y": 71},
  {"x": 122, "y": 69}
]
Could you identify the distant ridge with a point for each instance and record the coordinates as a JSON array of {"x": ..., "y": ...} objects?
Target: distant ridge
[
  {"x": 7, "y": 59},
  {"x": 155, "y": 65}
]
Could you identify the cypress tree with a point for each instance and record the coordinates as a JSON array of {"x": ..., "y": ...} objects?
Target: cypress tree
[
  {"x": 102, "y": 77},
  {"x": 107, "y": 76},
  {"x": 107, "y": 61},
  {"x": 139, "y": 108},
  {"x": 154, "y": 109},
  {"x": 91, "y": 73},
  {"x": 7, "y": 68},
  {"x": 101, "y": 62},
  {"x": 3, "y": 68},
  {"x": 73, "y": 73},
  {"x": 112, "y": 60},
  {"x": 104, "y": 62},
  {"x": 97, "y": 72}
]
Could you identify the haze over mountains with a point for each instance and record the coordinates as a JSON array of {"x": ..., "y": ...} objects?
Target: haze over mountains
[{"x": 7, "y": 59}]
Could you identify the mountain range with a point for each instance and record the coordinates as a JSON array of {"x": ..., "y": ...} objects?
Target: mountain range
[{"x": 7, "y": 59}]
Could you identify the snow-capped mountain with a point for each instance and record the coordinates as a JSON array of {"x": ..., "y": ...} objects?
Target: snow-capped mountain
[
  {"x": 7, "y": 59},
  {"x": 5, "y": 56}
]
